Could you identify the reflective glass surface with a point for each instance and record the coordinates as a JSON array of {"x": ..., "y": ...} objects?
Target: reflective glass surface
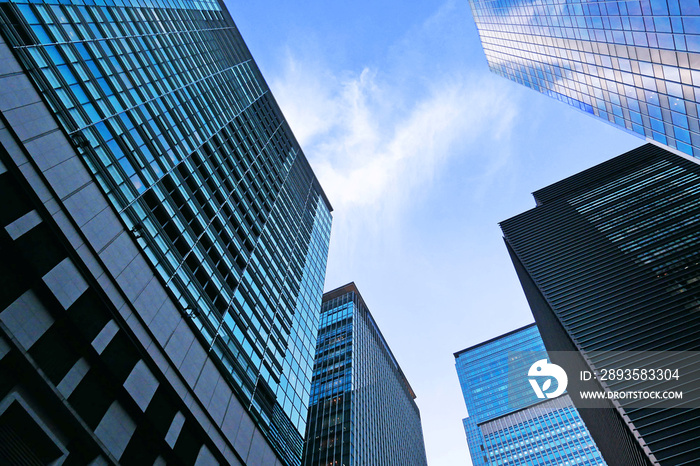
[
  {"x": 635, "y": 64},
  {"x": 169, "y": 111},
  {"x": 507, "y": 423}
]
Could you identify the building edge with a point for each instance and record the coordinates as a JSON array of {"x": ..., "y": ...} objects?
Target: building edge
[{"x": 63, "y": 198}]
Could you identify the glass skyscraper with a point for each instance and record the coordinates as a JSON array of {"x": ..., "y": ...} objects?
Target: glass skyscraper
[
  {"x": 507, "y": 423},
  {"x": 633, "y": 63},
  {"x": 610, "y": 263},
  {"x": 163, "y": 107},
  {"x": 362, "y": 409}
]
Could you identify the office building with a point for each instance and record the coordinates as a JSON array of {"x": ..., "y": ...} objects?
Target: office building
[
  {"x": 362, "y": 409},
  {"x": 609, "y": 260},
  {"x": 507, "y": 423},
  {"x": 164, "y": 240},
  {"x": 635, "y": 64}
]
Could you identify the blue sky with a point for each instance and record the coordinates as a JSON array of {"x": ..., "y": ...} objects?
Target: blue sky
[{"x": 422, "y": 151}]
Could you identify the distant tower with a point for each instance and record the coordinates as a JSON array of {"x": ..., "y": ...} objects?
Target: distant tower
[
  {"x": 362, "y": 409},
  {"x": 507, "y": 423},
  {"x": 635, "y": 64}
]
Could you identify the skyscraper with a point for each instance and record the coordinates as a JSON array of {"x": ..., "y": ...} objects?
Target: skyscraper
[
  {"x": 164, "y": 241},
  {"x": 362, "y": 409},
  {"x": 507, "y": 423},
  {"x": 635, "y": 64},
  {"x": 609, "y": 261}
]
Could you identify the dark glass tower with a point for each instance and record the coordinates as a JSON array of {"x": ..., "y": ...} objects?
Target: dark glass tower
[
  {"x": 144, "y": 134},
  {"x": 632, "y": 63},
  {"x": 507, "y": 423},
  {"x": 610, "y": 260},
  {"x": 362, "y": 409}
]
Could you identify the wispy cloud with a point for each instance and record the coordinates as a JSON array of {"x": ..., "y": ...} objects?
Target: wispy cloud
[{"x": 379, "y": 138}]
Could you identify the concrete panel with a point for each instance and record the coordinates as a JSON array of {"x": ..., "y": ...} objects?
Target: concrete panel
[
  {"x": 174, "y": 429},
  {"x": 50, "y": 150},
  {"x": 27, "y": 319},
  {"x": 8, "y": 63},
  {"x": 150, "y": 300},
  {"x": 244, "y": 436},
  {"x": 216, "y": 438},
  {"x": 141, "y": 385},
  {"x": 12, "y": 148},
  {"x": 192, "y": 364},
  {"x": 23, "y": 224},
  {"x": 66, "y": 226},
  {"x": 73, "y": 377},
  {"x": 15, "y": 90},
  {"x": 257, "y": 451},
  {"x": 84, "y": 204},
  {"x": 205, "y": 457},
  {"x": 4, "y": 348},
  {"x": 112, "y": 292},
  {"x": 65, "y": 282},
  {"x": 105, "y": 336},
  {"x": 269, "y": 456},
  {"x": 68, "y": 177},
  {"x": 99, "y": 461},
  {"x": 102, "y": 229},
  {"x": 232, "y": 419},
  {"x": 206, "y": 382},
  {"x": 220, "y": 401},
  {"x": 179, "y": 343},
  {"x": 164, "y": 323},
  {"x": 90, "y": 260},
  {"x": 36, "y": 182},
  {"x": 134, "y": 278},
  {"x": 31, "y": 120},
  {"x": 231, "y": 457},
  {"x": 118, "y": 254},
  {"x": 115, "y": 429}
]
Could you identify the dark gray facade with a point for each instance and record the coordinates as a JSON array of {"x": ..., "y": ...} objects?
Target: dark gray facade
[
  {"x": 609, "y": 261},
  {"x": 163, "y": 242},
  {"x": 362, "y": 409}
]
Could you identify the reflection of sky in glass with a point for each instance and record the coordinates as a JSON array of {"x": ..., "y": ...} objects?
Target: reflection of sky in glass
[
  {"x": 633, "y": 63},
  {"x": 180, "y": 130},
  {"x": 505, "y": 416}
]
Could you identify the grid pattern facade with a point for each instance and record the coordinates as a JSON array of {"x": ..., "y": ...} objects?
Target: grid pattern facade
[
  {"x": 362, "y": 408},
  {"x": 167, "y": 108},
  {"x": 507, "y": 423},
  {"x": 632, "y": 63},
  {"x": 546, "y": 434},
  {"x": 615, "y": 253},
  {"x": 122, "y": 409}
]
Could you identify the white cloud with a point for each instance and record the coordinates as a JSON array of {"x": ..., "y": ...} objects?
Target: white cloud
[
  {"x": 379, "y": 137},
  {"x": 369, "y": 150}
]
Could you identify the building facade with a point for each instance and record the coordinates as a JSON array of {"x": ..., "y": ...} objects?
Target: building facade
[
  {"x": 164, "y": 241},
  {"x": 362, "y": 409},
  {"x": 609, "y": 261},
  {"x": 634, "y": 64},
  {"x": 507, "y": 423}
]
